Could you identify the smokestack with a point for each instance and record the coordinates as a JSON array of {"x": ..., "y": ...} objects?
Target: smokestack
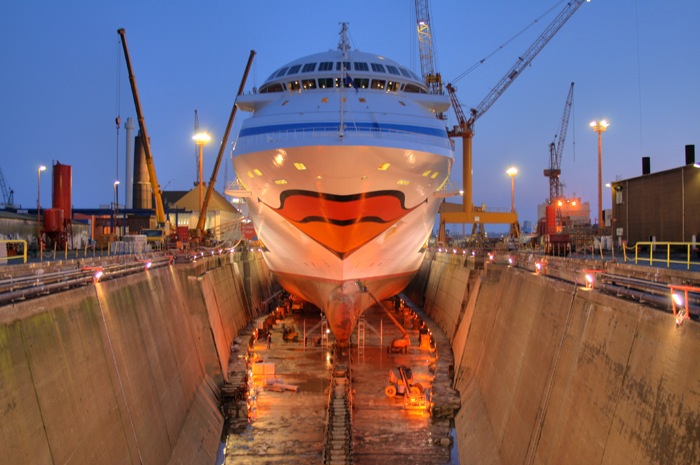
[
  {"x": 646, "y": 165},
  {"x": 689, "y": 154},
  {"x": 142, "y": 181},
  {"x": 129, "y": 163}
]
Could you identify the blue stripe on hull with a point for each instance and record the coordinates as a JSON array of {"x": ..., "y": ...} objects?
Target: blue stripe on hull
[{"x": 370, "y": 126}]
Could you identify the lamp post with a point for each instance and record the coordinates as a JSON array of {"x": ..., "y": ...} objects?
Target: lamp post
[
  {"x": 38, "y": 210},
  {"x": 200, "y": 139},
  {"x": 600, "y": 127},
  {"x": 512, "y": 171},
  {"x": 116, "y": 207}
]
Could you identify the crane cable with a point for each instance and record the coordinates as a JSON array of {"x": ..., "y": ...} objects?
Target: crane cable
[
  {"x": 504, "y": 44},
  {"x": 118, "y": 119}
]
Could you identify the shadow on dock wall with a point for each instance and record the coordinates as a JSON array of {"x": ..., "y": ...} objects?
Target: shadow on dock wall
[
  {"x": 551, "y": 373},
  {"x": 125, "y": 371}
]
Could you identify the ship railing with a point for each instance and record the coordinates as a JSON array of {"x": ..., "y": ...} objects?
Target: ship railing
[{"x": 350, "y": 132}]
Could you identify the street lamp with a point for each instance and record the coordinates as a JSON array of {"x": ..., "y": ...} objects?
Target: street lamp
[
  {"x": 116, "y": 207},
  {"x": 200, "y": 139},
  {"x": 38, "y": 210},
  {"x": 600, "y": 127},
  {"x": 512, "y": 171}
]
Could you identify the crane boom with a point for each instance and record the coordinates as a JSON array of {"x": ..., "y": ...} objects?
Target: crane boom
[
  {"x": 465, "y": 128},
  {"x": 556, "y": 149},
  {"x": 425, "y": 46},
  {"x": 160, "y": 211},
  {"x": 526, "y": 58}
]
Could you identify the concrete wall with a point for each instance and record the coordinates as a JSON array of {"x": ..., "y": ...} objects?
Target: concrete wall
[
  {"x": 551, "y": 373},
  {"x": 124, "y": 371}
]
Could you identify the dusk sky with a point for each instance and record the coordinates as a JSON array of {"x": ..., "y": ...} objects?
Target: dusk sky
[{"x": 635, "y": 63}]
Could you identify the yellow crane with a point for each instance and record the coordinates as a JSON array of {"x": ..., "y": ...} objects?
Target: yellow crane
[
  {"x": 466, "y": 213},
  {"x": 163, "y": 226}
]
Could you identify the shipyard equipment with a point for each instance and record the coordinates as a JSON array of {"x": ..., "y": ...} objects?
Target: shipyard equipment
[
  {"x": 163, "y": 230},
  {"x": 556, "y": 149},
  {"x": 200, "y": 233},
  {"x": 465, "y": 128},
  {"x": 8, "y": 195}
]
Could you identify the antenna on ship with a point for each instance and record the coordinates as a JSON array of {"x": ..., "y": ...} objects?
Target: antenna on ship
[{"x": 343, "y": 46}]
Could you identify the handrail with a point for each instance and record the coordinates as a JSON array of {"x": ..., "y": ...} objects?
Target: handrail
[
  {"x": 667, "y": 245},
  {"x": 14, "y": 257}
]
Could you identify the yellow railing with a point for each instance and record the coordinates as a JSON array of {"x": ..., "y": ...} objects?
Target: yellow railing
[
  {"x": 663, "y": 255},
  {"x": 4, "y": 258}
]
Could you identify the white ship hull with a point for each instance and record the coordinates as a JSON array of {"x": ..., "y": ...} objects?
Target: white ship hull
[{"x": 343, "y": 187}]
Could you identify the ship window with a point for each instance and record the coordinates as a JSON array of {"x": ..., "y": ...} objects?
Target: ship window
[
  {"x": 405, "y": 72},
  {"x": 300, "y": 166},
  {"x": 324, "y": 100},
  {"x": 403, "y": 104},
  {"x": 384, "y": 166},
  {"x": 294, "y": 69},
  {"x": 276, "y": 87},
  {"x": 360, "y": 83},
  {"x": 362, "y": 99},
  {"x": 378, "y": 68},
  {"x": 257, "y": 172},
  {"x": 379, "y": 84},
  {"x": 285, "y": 102},
  {"x": 392, "y": 70},
  {"x": 411, "y": 88},
  {"x": 403, "y": 182},
  {"x": 415, "y": 76},
  {"x": 325, "y": 66},
  {"x": 339, "y": 65},
  {"x": 280, "y": 181},
  {"x": 325, "y": 83},
  {"x": 308, "y": 83},
  {"x": 281, "y": 72},
  {"x": 308, "y": 67},
  {"x": 293, "y": 85},
  {"x": 393, "y": 86},
  {"x": 426, "y": 173},
  {"x": 360, "y": 66},
  {"x": 434, "y": 175}
]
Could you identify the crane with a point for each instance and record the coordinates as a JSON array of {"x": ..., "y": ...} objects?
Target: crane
[
  {"x": 556, "y": 149},
  {"x": 8, "y": 195},
  {"x": 465, "y": 127},
  {"x": 161, "y": 221},
  {"x": 431, "y": 78},
  {"x": 212, "y": 181}
]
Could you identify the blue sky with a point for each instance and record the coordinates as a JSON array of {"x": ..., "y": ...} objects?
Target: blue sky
[{"x": 63, "y": 82}]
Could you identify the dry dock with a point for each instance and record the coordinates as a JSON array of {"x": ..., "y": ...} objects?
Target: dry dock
[{"x": 130, "y": 370}]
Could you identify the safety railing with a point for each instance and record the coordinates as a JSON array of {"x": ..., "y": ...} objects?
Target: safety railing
[
  {"x": 663, "y": 252},
  {"x": 13, "y": 249}
]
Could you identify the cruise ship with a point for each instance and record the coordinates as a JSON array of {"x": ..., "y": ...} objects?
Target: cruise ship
[{"x": 344, "y": 160}]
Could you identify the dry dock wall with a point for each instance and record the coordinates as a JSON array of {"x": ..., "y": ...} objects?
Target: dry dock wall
[
  {"x": 551, "y": 373},
  {"x": 124, "y": 371}
]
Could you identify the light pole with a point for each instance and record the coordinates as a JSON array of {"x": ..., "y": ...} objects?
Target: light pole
[
  {"x": 200, "y": 139},
  {"x": 512, "y": 171},
  {"x": 600, "y": 127},
  {"x": 38, "y": 211},
  {"x": 115, "y": 205}
]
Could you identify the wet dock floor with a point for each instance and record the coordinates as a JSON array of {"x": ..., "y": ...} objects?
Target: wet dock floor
[{"x": 287, "y": 409}]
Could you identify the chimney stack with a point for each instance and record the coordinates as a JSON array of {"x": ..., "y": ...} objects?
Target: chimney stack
[{"x": 689, "y": 154}]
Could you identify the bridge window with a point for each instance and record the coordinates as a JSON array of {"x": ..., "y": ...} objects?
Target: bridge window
[
  {"x": 393, "y": 70},
  {"x": 282, "y": 72},
  {"x": 359, "y": 66},
  {"x": 360, "y": 83},
  {"x": 340, "y": 64},
  {"x": 376, "y": 67},
  {"x": 308, "y": 67},
  {"x": 393, "y": 86},
  {"x": 325, "y": 66},
  {"x": 294, "y": 69},
  {"x": 308, "y": 83},
  {"x": 293, "y": 85},
  {"x": 378, "y": 84},
  {"x": 405, "y": 73},
  {"x": 325, "y": 83},
  {"x": 275, "y": 87}
]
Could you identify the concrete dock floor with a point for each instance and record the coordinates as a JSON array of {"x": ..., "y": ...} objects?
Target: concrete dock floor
[{"x": 288, "y": 426}]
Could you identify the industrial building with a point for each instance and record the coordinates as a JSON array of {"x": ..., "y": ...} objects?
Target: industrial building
[{"x": 660, "y": 207}]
